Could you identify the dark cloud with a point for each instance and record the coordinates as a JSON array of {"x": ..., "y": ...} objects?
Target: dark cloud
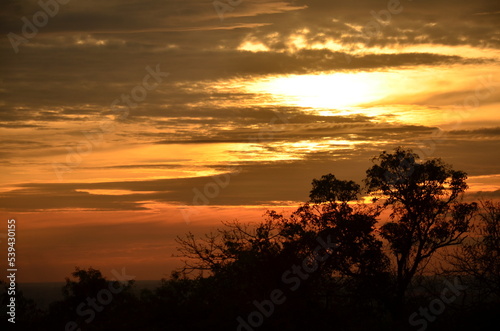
[
  {"x": 256, "y": 183},
  {"x": 478, "y": 132},
  {"x": 50, "y": 197},
  {"x": 484, "y": 195},
  {"x": 65, "y": 78}
]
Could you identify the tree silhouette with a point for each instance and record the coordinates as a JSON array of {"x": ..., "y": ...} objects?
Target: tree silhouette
[
  {"x": 92, "y": 302},
  {"x": 328, "y": 258},
  {"x": 247, "y": 262},
  {"x": 293, "y": 238},
  {"x": 26, "y": 313},
  {"x": 426, "y": 213},
  {"x": 357, "y": 261},
  {"x": 480, "y": 258},
  {"x": 350, "y": 225}
]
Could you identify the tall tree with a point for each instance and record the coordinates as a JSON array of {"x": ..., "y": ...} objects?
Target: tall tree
[{"x": 426, "y": 212}]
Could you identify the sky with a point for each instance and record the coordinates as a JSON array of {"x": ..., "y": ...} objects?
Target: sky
[{"x": 127, "y": 123}]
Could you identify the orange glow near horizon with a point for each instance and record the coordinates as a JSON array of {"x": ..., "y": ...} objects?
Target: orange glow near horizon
[{"x": 103, "y": 153}]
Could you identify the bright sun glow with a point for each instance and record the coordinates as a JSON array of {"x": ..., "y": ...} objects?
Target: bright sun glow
[{"x": 337, "y": 91}]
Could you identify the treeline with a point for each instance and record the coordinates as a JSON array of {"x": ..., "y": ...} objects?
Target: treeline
[{"x": 333, "y": 264}]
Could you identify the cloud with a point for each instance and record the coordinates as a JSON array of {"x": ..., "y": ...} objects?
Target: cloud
[
  {"x": 484, "y": 195},
  {"x": 258, "y": 182},
  {"x": 64, "y": 80},
  {"x": 482, "y": 132}
]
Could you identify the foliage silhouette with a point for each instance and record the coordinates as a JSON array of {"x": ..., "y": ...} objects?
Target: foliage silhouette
[
  {"x": 366, "y": 274},
  {"x": 426, "y": 212},
  {"x": 480, "y": 257},
  {"x": 27, "y": 313},
  {"x": 77, "y": 304}
]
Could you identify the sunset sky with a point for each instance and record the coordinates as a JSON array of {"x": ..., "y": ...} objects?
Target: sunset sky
[{"x": 125, "y": 123}]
